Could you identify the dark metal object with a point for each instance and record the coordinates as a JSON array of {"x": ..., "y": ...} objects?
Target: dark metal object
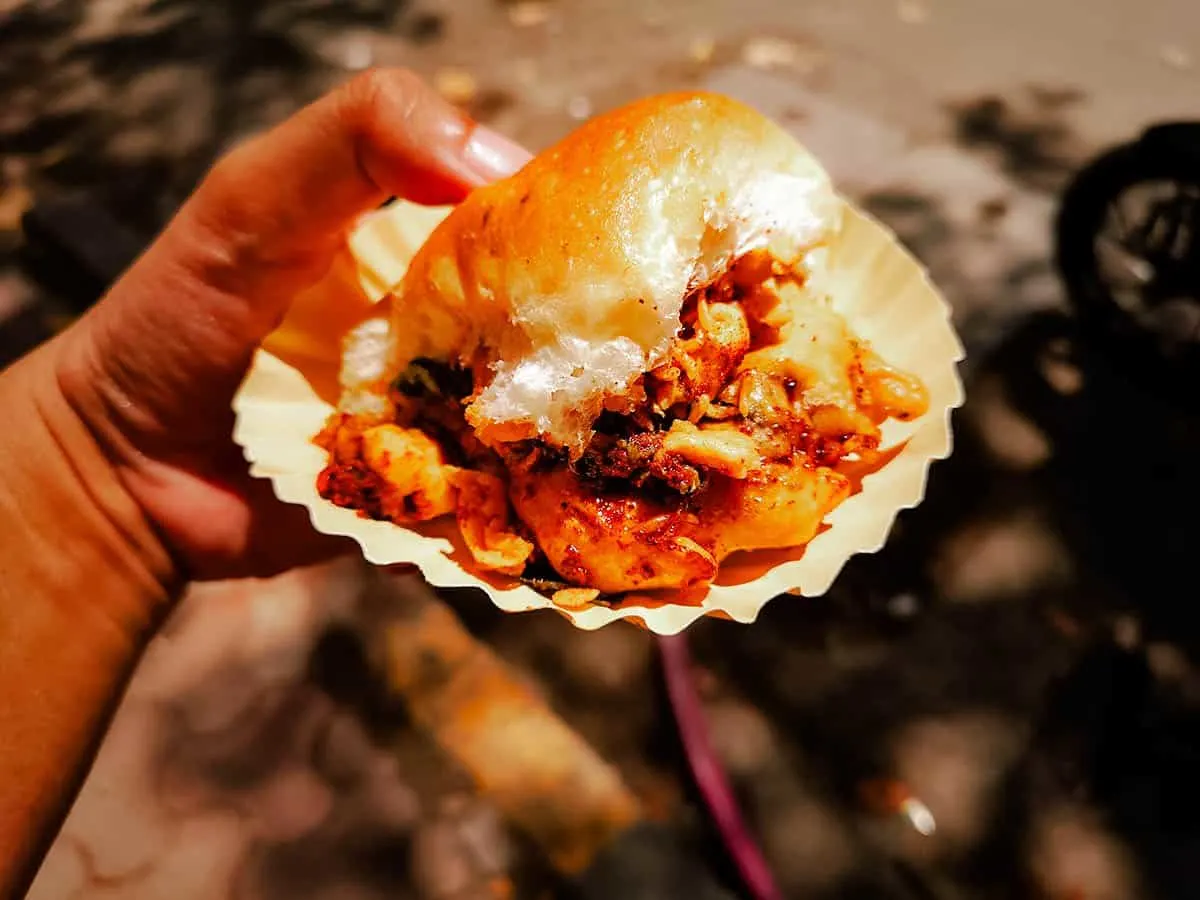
[{"x": 1128, "y": 251}]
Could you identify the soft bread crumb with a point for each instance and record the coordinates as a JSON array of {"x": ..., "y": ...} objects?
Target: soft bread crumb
[{"x": 364, "y": 370}]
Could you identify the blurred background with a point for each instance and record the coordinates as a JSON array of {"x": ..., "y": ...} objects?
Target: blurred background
[{"x": 1001, "y": 704}]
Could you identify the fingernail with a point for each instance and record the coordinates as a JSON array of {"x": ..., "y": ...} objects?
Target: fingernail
[{"x": 492, "y": 156}]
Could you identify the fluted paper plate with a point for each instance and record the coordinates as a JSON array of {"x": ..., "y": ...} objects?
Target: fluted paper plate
[{"x": 292, "y": 387}]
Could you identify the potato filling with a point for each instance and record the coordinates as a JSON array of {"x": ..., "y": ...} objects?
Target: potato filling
[{"x": 735, "y": 441}]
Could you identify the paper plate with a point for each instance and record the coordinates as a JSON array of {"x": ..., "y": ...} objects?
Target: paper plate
[{"x": 883, "y": 291}]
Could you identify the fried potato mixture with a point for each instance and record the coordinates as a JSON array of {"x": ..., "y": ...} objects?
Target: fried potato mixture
[{"x": 738, "y": 441}]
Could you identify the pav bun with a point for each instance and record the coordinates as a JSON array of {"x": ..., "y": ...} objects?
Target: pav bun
[{"x": 562, "y": 285}]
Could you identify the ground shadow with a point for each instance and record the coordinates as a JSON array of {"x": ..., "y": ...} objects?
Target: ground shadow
[{"x": 1116, "y": 490}]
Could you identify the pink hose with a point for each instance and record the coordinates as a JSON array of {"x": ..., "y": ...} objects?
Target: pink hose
[{"x": 707, "y": 772}]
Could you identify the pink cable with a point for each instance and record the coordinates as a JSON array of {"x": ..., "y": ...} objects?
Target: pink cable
[{"x": 706, "y": 770}]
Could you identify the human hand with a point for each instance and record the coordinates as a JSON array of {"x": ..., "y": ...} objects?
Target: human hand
[
  {"x": 138, "y": 392},
  {"x": 119, "y": 480}
]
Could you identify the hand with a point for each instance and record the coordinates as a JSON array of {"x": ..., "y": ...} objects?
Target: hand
[
  {"x": 118, "y": 477},
  {"x": 150, "y": 372}
]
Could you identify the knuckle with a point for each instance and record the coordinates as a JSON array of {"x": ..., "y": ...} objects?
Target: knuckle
[{"x": 382, "y": 95}]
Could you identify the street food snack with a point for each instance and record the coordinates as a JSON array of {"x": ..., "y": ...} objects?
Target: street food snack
[{"x": 634, "y": 360}]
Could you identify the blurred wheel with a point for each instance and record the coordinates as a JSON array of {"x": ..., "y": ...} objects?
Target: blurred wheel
[{"x": 1128, "y": 248}]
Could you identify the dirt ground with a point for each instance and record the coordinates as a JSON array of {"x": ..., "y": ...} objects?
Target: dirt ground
[{"x": 977, "y": 659}]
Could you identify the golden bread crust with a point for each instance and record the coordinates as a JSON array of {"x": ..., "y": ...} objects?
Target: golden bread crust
[{"x": 578, "y": 265}]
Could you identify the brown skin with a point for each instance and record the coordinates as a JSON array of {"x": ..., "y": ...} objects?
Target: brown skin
[{"x": 119, "y": 481}]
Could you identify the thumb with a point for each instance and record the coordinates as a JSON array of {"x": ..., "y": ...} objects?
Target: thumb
[{"x": 176, "y": 333}]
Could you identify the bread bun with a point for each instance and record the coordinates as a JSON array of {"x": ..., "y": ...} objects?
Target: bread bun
[{"x": 564, "y": 283}]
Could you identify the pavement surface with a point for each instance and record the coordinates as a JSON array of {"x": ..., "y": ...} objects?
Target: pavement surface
[{"x": 972, "y": 661}]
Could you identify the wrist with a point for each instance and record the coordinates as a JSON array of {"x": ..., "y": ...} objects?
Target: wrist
[
  {"x": 83, "y": 583},
  {"x": 75, "y": 536}
]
